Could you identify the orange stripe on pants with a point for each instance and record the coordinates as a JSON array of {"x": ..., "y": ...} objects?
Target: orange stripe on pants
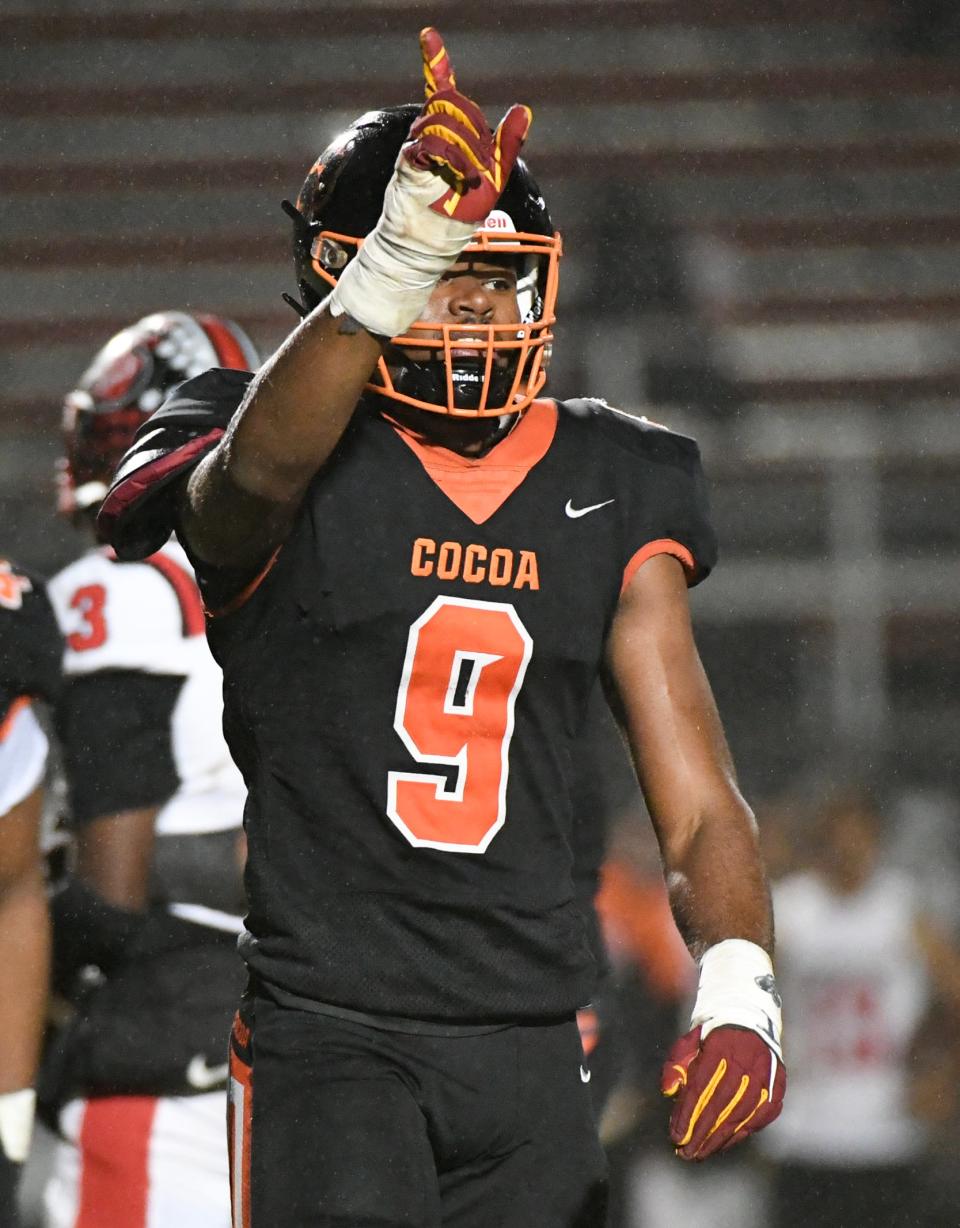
[{"x": 239, "y": 1128}]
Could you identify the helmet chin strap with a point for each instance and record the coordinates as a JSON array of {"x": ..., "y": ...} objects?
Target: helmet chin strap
[{"x": 427, "y": 381}]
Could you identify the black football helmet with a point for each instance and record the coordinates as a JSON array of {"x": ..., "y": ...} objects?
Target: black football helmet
[
  {"x": 127, "y": 380},
  {"x": 340, "y": 203}
]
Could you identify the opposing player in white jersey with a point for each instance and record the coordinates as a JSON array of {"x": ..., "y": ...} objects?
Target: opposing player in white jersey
[
  {"x": 861, "y": 961},
  {"x": 30, "y": 652},
  {"x": 138, "y": 1079}
]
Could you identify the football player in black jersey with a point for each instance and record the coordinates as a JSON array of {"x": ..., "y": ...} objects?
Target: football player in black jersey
[
  {"x": 30, "y": 652},
  {"x": 417, "y": 567}
]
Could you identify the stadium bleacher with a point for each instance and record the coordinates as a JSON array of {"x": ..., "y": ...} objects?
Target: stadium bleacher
[{"x": 780, "y": 181}]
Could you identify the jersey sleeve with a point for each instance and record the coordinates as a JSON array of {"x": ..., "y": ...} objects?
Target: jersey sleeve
[
  {"x": 23, "y": 754},
  {"x": 667, "y": 511},
  {"x": 115, "y": 728},
  {"x": 31, "y": 648},
  {"x": 137, "y": 515}
]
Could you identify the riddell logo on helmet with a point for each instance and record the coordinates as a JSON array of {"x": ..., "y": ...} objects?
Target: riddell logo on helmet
[{"x": 498, "y": 220}]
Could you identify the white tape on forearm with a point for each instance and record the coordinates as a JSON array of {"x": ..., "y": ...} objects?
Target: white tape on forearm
[
  {"x": 737, "y": 988},
  {"x": 16, "y": 1123},
  {"x": 388, "y": 283}
]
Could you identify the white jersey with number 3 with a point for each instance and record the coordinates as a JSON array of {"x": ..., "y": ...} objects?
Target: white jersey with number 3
[{"x": 147, "y": 617}]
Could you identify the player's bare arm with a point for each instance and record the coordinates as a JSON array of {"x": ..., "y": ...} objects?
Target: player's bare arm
[
  {"x": 25, "y": 933},
  {"x": 114, "y": 855},
  {"x": 242, "y": 499},
  {"x": 706, "y": 830},
  {"x": 727, "y": 1072},
  {"x": 100, "y": 910},
  {"x": 942, "y": 958}
]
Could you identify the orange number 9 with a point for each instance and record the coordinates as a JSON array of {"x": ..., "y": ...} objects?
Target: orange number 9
[{"x": 462, "y": 674}]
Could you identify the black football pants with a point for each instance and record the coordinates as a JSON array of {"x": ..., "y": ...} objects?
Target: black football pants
[{"x": 334, "y": 1124}]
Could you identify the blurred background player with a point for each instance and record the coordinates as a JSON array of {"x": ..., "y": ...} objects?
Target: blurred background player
[
  {"x": 30, "y": 655},
  {"x": 865, "y": 966},
  {"x": 145, "y": 927}
]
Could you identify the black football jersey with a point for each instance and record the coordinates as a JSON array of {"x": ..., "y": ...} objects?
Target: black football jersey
[
  {"x": 602, "y": 785},
  {"x": 404, "y": 691},
  {"x": 31, "y": 649}
]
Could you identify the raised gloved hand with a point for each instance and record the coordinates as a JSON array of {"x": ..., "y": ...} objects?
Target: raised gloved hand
[
  {"x": 727, "y": 1073},
  {"x": 452, "y": 138},
  {"x": 448, "y": 177}
]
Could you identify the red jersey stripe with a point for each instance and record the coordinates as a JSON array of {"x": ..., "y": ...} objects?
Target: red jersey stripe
[
  {"x": 184, "y": 585},
  {"x": 225, "y": 343},
  {"x": 115, "y": 1153}
]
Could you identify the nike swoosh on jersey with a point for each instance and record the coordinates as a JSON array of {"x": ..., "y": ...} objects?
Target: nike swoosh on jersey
[
  {"x": 202, "y": 1076},
  {"x": 574, "y": 512}
]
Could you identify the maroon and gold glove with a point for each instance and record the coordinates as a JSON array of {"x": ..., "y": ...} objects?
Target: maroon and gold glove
[
  {"x": 727, "y": 1073},
  {"x": 446, "y": 180},
  {"x": 452, "y": 138},
  {"x": 726, "y": 1088}
]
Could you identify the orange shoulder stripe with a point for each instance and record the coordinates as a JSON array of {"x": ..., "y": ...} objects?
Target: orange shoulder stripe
[
  {"x": 663, "y": 545},
  {"x": 6, "y": 725},
  {"x": 246, "y": 592}
]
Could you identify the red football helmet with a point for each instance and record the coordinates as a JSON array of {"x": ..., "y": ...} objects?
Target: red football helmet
[{"x": 127, "y": 380}]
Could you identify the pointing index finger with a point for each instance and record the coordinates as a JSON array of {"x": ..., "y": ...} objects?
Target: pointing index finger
[{"x": 437, "y": 69}]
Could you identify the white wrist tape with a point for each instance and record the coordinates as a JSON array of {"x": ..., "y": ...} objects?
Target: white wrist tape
[
  {"x": 16, "y": 1123},
  {"x": 737, "y": 988},
  {"x": 386, "y": 285}
]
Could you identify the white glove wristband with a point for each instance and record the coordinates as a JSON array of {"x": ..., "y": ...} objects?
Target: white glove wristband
[
  {"x": 388, "y": 283},
  {"x": 16, "y": 1123},
  {"x": 737, "y": 988}
]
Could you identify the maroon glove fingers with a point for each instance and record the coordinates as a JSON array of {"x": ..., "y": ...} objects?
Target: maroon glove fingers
[
  {"x": 441, "y": 135},
  {"x": 452, "y": 132},
  {"x": 723, "y": 1089}
]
